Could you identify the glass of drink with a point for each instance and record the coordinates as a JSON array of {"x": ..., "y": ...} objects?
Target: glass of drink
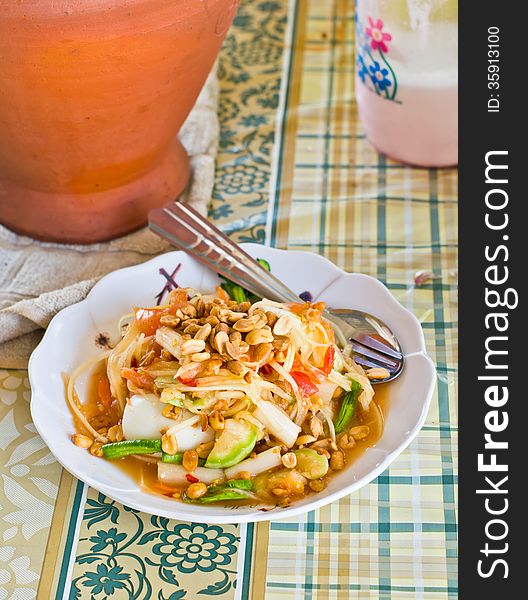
[{"x": 407, "y": 78}]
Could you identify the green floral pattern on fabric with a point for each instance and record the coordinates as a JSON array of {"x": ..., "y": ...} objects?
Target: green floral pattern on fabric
[
  {"x": 250, "y": 75},
  {"x": 157, "y": 554}
]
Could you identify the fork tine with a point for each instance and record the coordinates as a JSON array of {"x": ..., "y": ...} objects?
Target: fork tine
[
  {"x": 379, "y": 360},
  {"x": 367, "y": 363},
  {"x": 371, "y": 342}
]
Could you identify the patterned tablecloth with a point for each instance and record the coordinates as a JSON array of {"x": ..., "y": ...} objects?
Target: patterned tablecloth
[{"x": 313, "y": 183}]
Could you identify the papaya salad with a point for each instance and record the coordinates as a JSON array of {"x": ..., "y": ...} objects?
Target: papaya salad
[{"x": 226, "y": 397}]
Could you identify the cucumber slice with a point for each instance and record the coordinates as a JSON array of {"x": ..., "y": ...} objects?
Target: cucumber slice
[
  {"x": 236, "y": 441},
  {"x": 311, "y": 464}
]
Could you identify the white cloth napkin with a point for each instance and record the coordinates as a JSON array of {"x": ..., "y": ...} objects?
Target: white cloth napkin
[{"x": 39, "y": 279}]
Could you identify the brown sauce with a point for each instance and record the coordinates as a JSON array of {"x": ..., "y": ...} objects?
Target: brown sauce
[{"x": 145, "y": 474}]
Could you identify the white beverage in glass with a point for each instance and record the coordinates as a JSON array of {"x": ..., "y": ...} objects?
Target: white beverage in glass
[{"x": 407, "y": 78}]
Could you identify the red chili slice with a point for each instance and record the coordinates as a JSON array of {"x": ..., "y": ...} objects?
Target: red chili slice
[
  {"x": 191, "y": 478},
  {"x": 329, "y": 358}
]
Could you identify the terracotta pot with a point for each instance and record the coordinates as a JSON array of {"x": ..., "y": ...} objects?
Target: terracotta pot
[{"x": 92, "y": 95}]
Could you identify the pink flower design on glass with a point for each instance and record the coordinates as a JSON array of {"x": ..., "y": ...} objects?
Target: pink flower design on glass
[{"x": 377, "y": 35}]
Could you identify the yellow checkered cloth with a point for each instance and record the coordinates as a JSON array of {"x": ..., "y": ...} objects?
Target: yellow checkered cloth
[{"x": 294, "y": 171}]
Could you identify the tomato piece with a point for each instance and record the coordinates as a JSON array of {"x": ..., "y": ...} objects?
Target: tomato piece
[
  {"x": 103, "y": 391},
  {"x": 191, "y": 382},
  {"x": 191, "y": 478},
  {"x": 148, "y": 319},
  {"x": 141, "y": 380},
  {"x": 329, "y": 359},
  {"x": 313, "y": 373},
  {"x": 306, "y": 386}
]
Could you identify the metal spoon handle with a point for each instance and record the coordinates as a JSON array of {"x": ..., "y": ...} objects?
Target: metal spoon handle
[{"x": 183, "y": 227}]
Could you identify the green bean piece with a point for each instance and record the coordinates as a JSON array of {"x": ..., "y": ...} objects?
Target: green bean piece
[
  {"x": 348, "y": 407},
  {"x": 236, "y": 292},
  {"x": 177, "y": 459},
  {"x": 128, "y": 447},
  {"x": 236, "y": 489},
  {"x": 264, "y": 264}
]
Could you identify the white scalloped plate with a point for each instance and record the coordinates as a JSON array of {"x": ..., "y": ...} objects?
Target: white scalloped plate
[{"x": 70, "y": 339}]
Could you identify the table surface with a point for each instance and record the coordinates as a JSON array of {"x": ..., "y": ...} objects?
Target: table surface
[{"x": 317, "y": 185}]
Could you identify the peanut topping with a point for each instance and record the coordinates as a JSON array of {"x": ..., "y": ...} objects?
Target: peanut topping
[
  {"x": 169, "y": 444},
  {"x": 289, "y": 460},
  {"x": 192, "y": 346},
  {"x": 83, "y": 441},
  {"x": 196, "y": 490},
  {"x": 190, "y": 460},
  {"x": 216, "y": 420}
]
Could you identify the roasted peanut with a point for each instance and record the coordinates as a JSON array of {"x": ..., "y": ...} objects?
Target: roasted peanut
[
  {"x": 337, "y": 461},
  {"x": 233, "y": 350},
  {"x": 189, "y": 311},
  {"x": 235, "y": 337},
  {"x": 196, "y": 490},
  {"x": 302, "y": 440},
  {"x": 317, "y": 485},
  {"x": 316, "y": 427},
  {"x": 284, "y": 325},
  {"x": 212, "y": 320},
  {"x": 96, "y": 449},
  {"x": 171, "y": 412},
  {"x": 212, "y": 367},
  {"x": 360, "y": 432},
  {"x": 169, "y": 443},
  {"x": 289, "y": 460},
  {"x": 236, "y": 367},
  {"x": 83, "y": 441},
  {"x": 204, "y": 422},
  {"x": 216, "y": 420},
  {"x": 190, "y": 460},
  {"x": 346, "y": 441},
  {"x": 115, "y": 433},
  {"x": 259, "y": 336},
  {"x": 220, "y": 340},
  {"x": 243, "y": 307},
  {"x": 280, "y": 343},
  {"x": 377, "y": 373},
  {"x": 200, "y": 356},
  {"x": 192, "y": 346},
  {"x": 170, "y": 320},
  {"x": 272, "y": 318},
  {"x": 246, "y": 324}
]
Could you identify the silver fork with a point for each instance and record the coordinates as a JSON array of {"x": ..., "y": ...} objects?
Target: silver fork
[{"x": 373, "y": 343}]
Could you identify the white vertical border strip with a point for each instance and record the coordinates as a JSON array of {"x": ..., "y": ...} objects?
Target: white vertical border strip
[
  {"x": 280, "y": 115},
  {"x": 241, "y": 562},
  {"x": 73, "y": 552}
]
